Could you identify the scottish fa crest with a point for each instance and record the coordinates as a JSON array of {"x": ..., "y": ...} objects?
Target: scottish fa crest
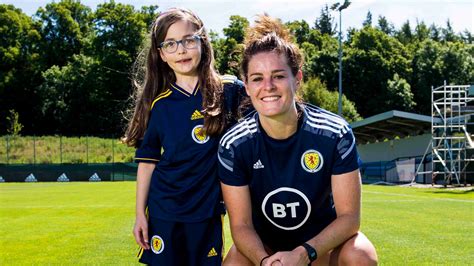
[
  {"x": 198, "y": 134},
  {"x": 157, "y": 244},
  {"x": 312, "y": 161}
]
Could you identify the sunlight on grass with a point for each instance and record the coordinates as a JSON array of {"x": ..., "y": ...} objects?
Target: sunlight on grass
[{"x": 91, "y": 223}]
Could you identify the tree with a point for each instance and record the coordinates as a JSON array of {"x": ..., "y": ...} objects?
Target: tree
[
  {"x": 458, "y": 63},
  {"x": 14, "y": 127},
  {"x": 435, "y": 33},
  {"x": 322, "y": 60},
  {"x": 236, "y": 29},
  {"x": 399, "y": 94},
  {"x": 448, "y": 33},
  {"x": 299, "y": 29},
  {"x": 427, "y": 68},
  {"x": 433, "y": 63},
  {"x": 422, "y": 31},
  {"x": 368, "y": 20},
  {"x": 149, "y": 14},
  {"x": 325, "y": 22},
  {"x": 372, "y": 59},
  {"x": 119, "y": 29},
  {"x": 119, "y": 33},
  {"x": 64, "y": 27},
  {"x": 405, "y": 34},
  {"x": 467, "y": 37},
  {"x": 228, "y": 51},
  {"x": 315, "y": 92},
  {"x": 228, "y": 56},
  {"x": 20, "y": 69},
  {"x": 385, "y": 26},
  {"x": 73, "y": 100}
]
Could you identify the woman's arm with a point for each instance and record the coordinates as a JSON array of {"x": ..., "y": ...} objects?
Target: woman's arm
[
  {"x": 140, "y": 230},
  {"x": 346, "y": 189},
  {"x": 246, "y": 239}
]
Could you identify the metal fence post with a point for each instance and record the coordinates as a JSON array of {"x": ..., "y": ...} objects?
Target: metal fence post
[
  {"x": 87, "y": 149},
  {"x": 34, "y": 149},
  {"x": 113, "y": 159},
  {"x": 8, "y": 148},
  {"x": 60, "y": 149}
]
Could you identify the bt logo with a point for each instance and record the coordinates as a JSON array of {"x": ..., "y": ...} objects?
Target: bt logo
[
  {"x": 286, "y": 208},
  {"x": 280, "y": 212}
]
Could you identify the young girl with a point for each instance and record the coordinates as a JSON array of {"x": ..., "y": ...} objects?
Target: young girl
[{"x": 180, "y": 111}]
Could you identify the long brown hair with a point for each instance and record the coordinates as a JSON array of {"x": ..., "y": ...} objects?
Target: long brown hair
[
  {"x": 269, "y": 34},
  {"x": 152, "y": 75}
]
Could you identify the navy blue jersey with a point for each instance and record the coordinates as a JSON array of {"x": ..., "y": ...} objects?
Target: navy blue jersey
[
  {"x": 290, "y": 179},
  {"x": 184, "y": 185}
]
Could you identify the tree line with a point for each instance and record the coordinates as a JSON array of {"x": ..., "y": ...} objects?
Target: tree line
[{"x": 68, "y": 69}]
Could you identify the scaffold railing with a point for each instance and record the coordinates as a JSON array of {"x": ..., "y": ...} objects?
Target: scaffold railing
[{"x": 452, "y": 129}]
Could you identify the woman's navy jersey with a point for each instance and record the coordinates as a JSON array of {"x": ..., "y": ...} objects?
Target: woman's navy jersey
[
  {"x": 184, "y": 186},
  {"x": 290, "y": 179}
]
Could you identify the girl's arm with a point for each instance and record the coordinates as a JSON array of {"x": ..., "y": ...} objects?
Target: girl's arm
[
  {"x": 238, "y": 204},
  {"x": 140, "y": 230}
]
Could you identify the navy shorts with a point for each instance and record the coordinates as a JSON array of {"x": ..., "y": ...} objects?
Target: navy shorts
[{"x": 178, "y": 243}]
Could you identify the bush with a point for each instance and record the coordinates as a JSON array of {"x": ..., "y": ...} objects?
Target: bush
[{"x": 315, "y": 92}]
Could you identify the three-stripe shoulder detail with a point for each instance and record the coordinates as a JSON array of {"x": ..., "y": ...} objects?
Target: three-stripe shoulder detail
[
  {"x": 228, "y": 79},
  {"x": 242, "y": 129},
  {"x": 162, "y": 95},
  {"x": 322, "y": 119}
]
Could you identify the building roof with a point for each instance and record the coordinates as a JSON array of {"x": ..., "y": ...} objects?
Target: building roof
[{"x": 390, "y": 125}]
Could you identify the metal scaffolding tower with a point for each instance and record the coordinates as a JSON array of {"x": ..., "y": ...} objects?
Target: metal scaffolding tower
[{"x": 452, "y": 128}]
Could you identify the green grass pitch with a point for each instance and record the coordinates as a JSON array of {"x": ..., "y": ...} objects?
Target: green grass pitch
[{"x": 91, "y": 223}]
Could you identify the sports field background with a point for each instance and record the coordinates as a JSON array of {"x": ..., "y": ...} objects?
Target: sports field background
[{"x": 82, "y": 223}]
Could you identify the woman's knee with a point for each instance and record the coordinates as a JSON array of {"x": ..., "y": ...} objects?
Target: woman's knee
[{"x": 358, "y": 250}]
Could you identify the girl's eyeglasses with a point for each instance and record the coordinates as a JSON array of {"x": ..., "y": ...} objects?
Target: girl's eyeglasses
[{"x": 188, "y": 43}]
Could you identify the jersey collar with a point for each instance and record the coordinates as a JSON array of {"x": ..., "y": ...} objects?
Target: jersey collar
[
  {"x": 302, "y": 117},
  {"x": 183, "y": 91}
]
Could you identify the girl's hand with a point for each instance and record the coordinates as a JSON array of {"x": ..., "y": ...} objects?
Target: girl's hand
[{"x": 140, "y": 231}]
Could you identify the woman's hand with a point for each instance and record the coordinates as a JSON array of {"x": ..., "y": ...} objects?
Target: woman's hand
[{"x": 297, "y": 256}]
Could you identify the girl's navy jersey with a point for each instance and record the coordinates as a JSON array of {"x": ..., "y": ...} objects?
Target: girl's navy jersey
[
  {"x": 184, "y": 186},
  {"x": 290, "y": 179}
]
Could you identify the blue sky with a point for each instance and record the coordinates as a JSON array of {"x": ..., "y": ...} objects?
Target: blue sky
[{"x": 216, "y": 13}]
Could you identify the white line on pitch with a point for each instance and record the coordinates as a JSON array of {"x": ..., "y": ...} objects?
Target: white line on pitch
[{"x": 418, "y": 197}]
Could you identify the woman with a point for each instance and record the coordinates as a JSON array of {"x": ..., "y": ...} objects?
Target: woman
[{"x": 289, "y": 171}]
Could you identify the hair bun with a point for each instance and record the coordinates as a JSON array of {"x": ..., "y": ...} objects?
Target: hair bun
[{"x": 266, "y": 25}]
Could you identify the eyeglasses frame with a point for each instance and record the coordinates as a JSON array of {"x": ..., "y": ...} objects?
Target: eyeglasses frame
[{"x": 196, "y": 37}]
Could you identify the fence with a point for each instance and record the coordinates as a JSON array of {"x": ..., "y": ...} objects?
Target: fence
[
  {"x": 387, "y": 171},
  {"x": 72, "y": 172},
  {"x": 79, "y": 158},
  {"x": 59, "y": 149}
]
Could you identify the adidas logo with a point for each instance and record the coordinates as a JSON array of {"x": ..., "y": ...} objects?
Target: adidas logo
[
  {"x": 258, "y": 165},
  {"x": 212, "y": 253},
  {"x": 196, "y": 115}
]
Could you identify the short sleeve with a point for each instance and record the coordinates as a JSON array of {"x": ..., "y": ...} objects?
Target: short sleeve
[
  {"x": 346, "y": 158},
  {"x": 230, "y": 167},
  {"x": 234, "y": 96},
  {"x": 150, "y": 148}
]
